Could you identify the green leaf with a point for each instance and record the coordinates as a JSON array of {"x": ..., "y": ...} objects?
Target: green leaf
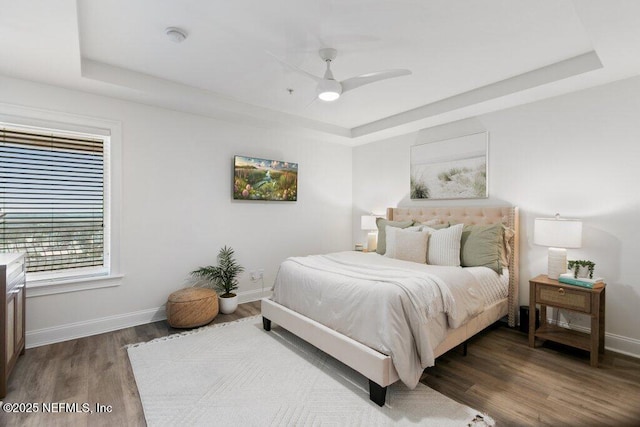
[{"x": 222, "y": 277}]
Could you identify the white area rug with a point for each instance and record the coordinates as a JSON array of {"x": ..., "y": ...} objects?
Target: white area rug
[{"x": 237, "y": 374}]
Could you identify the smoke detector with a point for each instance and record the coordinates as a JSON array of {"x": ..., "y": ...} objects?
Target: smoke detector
[{"x": 175, "y": 34}]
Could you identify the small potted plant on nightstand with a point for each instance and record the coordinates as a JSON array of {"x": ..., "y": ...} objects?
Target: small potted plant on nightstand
[
  {"x": 222, "y": 278},
  {"x": 582, "y": 268}
]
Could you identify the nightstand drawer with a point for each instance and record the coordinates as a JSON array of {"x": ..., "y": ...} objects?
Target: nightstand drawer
[{"x": 564, "y": 297}]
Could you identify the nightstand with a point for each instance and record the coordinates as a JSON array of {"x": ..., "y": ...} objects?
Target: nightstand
[{"x": 547, "y": 292}]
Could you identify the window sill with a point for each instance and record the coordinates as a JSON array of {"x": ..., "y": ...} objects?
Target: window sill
[{"x": 40, "y": 288}]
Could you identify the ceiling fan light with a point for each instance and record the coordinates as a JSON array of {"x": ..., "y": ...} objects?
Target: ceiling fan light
[
  {"x": 329, "y": 90},
  {"x": 328, "y": 96}
]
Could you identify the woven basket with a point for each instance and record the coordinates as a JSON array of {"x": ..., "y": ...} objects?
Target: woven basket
[{"x": 192, "y": 307}]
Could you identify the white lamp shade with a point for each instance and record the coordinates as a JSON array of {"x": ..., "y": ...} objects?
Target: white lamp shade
[
  {"x": 558, "y": 232},
  {"x": 368, "y": 222}
]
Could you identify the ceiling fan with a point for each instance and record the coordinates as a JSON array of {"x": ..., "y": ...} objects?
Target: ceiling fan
[{"x": 329, "y": 89}]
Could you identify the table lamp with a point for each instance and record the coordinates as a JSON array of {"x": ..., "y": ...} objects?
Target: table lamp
[
  {"x": 368, "y": 222},
  {"x": 558, "y": 234}
]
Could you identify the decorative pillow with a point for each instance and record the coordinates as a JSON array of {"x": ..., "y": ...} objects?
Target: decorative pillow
[
  {"x": 444, "y": 245},
  {"x": 382, "y": 223},
  {"x": 438, "y": 226},
  {"x": 431, "y": 222},
  {"x": 406, "y": 244},
  {"x": 391, "y": 237},
  {"x": 482, "y": 246}
]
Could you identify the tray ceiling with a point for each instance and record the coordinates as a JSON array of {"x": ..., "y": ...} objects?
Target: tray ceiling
[{"x": 467, "y": 57}]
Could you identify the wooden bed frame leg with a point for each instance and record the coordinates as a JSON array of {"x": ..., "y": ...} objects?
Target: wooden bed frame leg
[
  {"x": 266, "y": 324},
  {"x": 377, "y": 393},
  {"x": 464, "y": 348}
]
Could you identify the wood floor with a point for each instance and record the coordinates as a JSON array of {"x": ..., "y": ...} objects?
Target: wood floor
[
  {"x": 501, "y": 376},
  {"x": 551, "y": 385}
]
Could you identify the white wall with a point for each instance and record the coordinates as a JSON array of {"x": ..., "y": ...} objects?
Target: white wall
[
  {"x": 578, "y": 154},
  {"x": 177, "y": 207}
]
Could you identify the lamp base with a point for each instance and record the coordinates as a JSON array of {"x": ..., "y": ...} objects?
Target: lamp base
[
  {"x": 372, "y": 241},
  {"x": 557, "y": 263}
]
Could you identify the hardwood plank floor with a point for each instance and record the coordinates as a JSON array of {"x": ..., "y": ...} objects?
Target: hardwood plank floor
[
  {"x": 550, "y": 385},
  {"x": 501, "y": 376},
  {"x": 90, "y": 370}
]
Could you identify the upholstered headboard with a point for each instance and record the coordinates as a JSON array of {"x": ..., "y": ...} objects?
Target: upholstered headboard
[{"x": 508, "y": 215}]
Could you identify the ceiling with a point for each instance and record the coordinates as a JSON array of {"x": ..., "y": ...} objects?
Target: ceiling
[{"x": 467, "y": 57}]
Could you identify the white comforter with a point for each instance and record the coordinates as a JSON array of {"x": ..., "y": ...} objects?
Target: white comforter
[{"x": 395, "y": 307}]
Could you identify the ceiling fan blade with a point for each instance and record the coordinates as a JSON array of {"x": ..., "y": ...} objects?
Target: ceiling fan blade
[
  {"x": 310, "y": 103},
  {"x": 365, "y": 79},
  {"x": 294, "y": 68}
]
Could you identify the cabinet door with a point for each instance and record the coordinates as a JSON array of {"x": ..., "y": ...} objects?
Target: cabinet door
[
  {"x": 10, "y": 322},
  {"x": 19, "y": 322}
]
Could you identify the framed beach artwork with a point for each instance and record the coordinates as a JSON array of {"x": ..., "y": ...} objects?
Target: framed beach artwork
[
  {"x": 454, "y": 168},
  {"x": 264, "y": 179}
]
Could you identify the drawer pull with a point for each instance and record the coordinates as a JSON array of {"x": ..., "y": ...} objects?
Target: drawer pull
[{"x": 561, "y": 291}]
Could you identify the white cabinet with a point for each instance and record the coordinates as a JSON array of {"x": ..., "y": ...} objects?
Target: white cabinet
[{"x": 12, "y": 313}]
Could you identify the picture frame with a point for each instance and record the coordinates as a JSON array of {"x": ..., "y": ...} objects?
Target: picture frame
[
  {"x": 256, "y": 179},
  {"x": 455, "y": 168}
]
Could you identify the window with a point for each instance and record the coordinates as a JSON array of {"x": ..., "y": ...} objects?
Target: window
[{"x": 52, "y": 201}]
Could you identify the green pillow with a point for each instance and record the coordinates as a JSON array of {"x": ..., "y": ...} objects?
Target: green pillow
[
  {"x": 382, "y": 237},
  {"x": 438, "y": 226},
  {"x": 481, "y": 246}
]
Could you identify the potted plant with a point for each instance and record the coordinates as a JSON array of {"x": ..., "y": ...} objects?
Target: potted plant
[
  {"x": 222, "y": 278},
  {"x": 582, "y": 268}
]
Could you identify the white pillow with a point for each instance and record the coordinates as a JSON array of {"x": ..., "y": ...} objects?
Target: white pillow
[
  {"x": 434, "y": 221},
  {"x": 406, "y": 244},
  {"x": 444, "y": 245},
  {"x": 391, "y": 231}
]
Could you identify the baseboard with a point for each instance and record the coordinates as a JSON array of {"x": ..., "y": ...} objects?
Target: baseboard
[
  {"x": 613, "y": 342},
  {"x": 39, "y": 337},
  {"x": 87, "y": 328},
  {"x": 249, "y": 296},
  {"x": 101, "y": 325}
]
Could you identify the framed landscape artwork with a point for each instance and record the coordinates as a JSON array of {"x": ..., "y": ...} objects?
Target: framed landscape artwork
[
  {"x": 450, "y": 169},
  {"x": 263, "y": 179}
]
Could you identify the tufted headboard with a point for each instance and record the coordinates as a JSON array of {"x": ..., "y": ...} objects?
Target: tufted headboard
[{"x": 481, "y": 215}]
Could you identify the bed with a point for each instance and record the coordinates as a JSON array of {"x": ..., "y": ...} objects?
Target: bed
[{"x": 309, "y": 300}]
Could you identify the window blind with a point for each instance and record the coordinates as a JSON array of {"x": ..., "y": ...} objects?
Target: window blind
[{"x": 52, "y": 199}]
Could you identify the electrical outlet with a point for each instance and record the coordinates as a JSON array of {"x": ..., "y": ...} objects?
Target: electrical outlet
[{"x": 257, "y": 274}]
